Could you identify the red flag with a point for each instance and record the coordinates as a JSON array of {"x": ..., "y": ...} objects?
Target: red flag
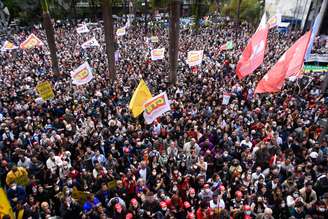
[
  {"x": 253, "y": 54},
  {"x": 288, "y": 65}
]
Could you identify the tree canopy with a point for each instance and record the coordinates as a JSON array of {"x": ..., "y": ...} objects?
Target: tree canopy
[{"x": 249, "y": 10}]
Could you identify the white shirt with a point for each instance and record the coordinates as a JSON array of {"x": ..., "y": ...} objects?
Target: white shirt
[
  {"x": 249, "y": 143},
  {"x": 26, "y": 164},
  {"x": 143, "y": 174},
  {"x": 53, "y": 165},
  {"x": 219, "y": 204},
  {"x": 256, "y": 176}
]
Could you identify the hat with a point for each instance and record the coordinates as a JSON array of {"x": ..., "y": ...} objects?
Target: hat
[
  {"x": 118, "y": 207},
  {"x": 314, "y": 155},
  {"x": 163, "y": 204},
  {"x": 206, "y": 186},
  {"x": 186, "y": 204},
  {"x": 125, "y": 149}
]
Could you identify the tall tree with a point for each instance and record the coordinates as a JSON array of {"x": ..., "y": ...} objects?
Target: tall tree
[
  {"x": 249, "y": 10},
  {"x": 73, "y": 7},
  {"x": 50, "y": 33},
  {"x": 146, "y": 18},
  {"x": 109, "y": 36},
  {"x": 174, "y": 8}
]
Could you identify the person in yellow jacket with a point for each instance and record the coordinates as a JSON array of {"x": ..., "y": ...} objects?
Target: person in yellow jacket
[{"x": 19, "y": 175}]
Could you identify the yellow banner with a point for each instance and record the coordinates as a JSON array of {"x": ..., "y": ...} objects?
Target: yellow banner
[
  {"x": 80, "y": 196},
  {"x": 5, "y": 208},
  {"x": 44, "y": 89}
]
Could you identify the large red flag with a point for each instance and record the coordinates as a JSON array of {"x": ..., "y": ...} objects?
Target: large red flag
[
  {"x": 253, "y": 54},
  {"x": 287, "y": 66}
]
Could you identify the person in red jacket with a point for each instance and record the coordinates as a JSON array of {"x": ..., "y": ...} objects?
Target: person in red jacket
[{"x": 204, "y": 212}]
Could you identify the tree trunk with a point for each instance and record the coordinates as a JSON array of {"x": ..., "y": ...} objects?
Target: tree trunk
[
  {"x": 109, "y": 36},
  {"x": 174, "y": 39},
  {"x": 50, "y": 33},
  {"x": 93, "y": 10},
  {"x": 73, "y": 6},
  {"x": 146, "y": 18},
  {"x": 238, "y": 19}
]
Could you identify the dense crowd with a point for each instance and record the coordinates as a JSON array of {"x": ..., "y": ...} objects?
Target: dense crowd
[{"x": 82, "y": 154}]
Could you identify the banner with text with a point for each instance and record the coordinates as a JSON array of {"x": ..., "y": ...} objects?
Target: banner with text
[
  {"x": 45, "y": 91},
  {"x": 195, "y": 57},
  {"x": 31, "y": 42},
  {"x": 155, "y": 107},
  {"x": 157, "y": 54},
  {"x": 82, "y": 75}
]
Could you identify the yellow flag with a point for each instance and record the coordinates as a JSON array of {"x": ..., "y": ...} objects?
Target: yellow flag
[
  {"x": 5, "y": 208},
  {"x": 139, "y": 97}
]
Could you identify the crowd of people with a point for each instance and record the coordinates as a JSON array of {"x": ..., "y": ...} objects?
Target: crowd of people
[{"x": 82, "y": 154}]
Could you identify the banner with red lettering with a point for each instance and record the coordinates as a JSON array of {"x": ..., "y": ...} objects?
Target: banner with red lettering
[
  {"x": 82, "y": 75},
  {"x": 31, "y": 42},
  {"x": 155, "y": 107}
]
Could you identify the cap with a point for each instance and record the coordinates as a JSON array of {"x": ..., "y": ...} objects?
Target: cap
[
  {"x": 163, "y": 204},
  {"x": 206, "y": 186},
  {"x": 125, "y": 149},
  {"x": 186, "y": 204},
  {"x": 314, "y": 155}
]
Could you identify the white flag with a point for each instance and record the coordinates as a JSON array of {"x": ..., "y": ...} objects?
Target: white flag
[
  {"x": 274, "y": 21},
  {"x": 8, "y": 46},
  {"x": 155, "y": 107},
  {"x": 90, "y": 43},
  {"x": 157, "y": 54},
  {"x": 263, "y": 21},
  {"x": 82, "y": 75},
  {"x": 82, "y": 29}
]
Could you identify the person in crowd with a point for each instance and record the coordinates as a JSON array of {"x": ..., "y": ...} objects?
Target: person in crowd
[{"x": 82, "y": 154}]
